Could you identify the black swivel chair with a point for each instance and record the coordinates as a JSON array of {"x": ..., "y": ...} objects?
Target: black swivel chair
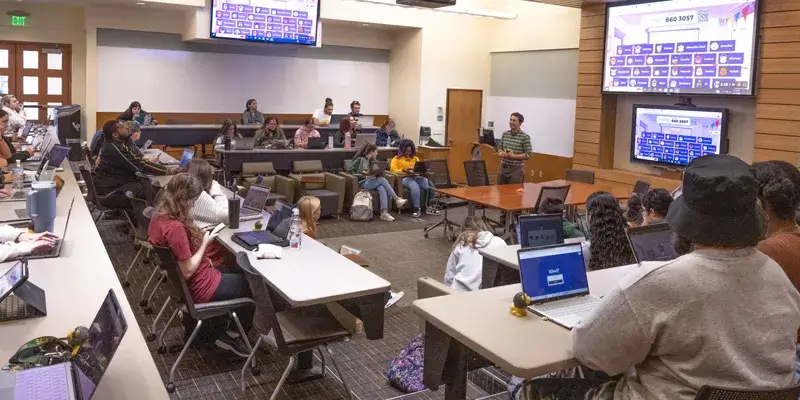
[
  {"x": 713, "y": 393},
  {"x": 551, "y": 192},
  {"x": 91, "y": 195},
  {"x": 439, "y": 176},
  {"x": 578, "y": 175},
  {"x": 142, "y": 214},
  {"x": 475, "y": 171}
]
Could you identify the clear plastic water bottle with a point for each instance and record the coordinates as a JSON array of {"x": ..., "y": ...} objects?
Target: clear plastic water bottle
[
  {"x": 18, "y": 175},
  {"x": 295, "y": 230}
]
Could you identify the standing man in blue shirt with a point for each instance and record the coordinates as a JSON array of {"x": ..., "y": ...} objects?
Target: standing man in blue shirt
[{"x": 513, "y": 150}]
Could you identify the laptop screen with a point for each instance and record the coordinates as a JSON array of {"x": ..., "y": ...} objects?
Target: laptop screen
[
  {"x": 282, "y": 212},
  {"x": 652, "y": 242},
  {"x": 256, "y": 198},
  {"x": 94, "y": 356},
  {"x": 11, "y": 279},
  {"x": 540, "y": 230},
  {"x": 188, "y": 154},
  {"x": 553, "y": 272},
  {"x": 57, "y": 155}
]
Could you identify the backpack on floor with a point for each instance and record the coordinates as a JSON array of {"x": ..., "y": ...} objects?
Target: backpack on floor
[
  {"x": 405, "y": 371},
  {"x": 361, "y": 210}
]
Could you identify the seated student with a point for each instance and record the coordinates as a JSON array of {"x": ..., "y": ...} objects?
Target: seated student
[
  {"x": 310, "y": 211},
  {"x": 18, "y": 242},
  {"x": 211, "y": 208},
  {"x": 97, "y": 142},
  {"x": 609, "y": 247},
  {"x": 268, "y": 133},
  {"x": 724, "y": 315},
  {"x": 8, "y": 153},
  {"x": 16, "y": 115},
  {"x": 346, "y": 126},
  {"x": 117, "y": 166},
  {"x": 306, "y": 131},
  {"x": 780, "y": 197},
  {"x": 136, "y": 133},
  {"x": 464, "y": 270},
  {"x": 228, "y": 130},
  {"x": 208, "y": 280},
  {"x": 251, "y": 115},
  {"x": 323, "y": 116},
  {"x": 556, "y": 206},
  {"x": 403, "y": 165},
  {"x": 386, "y": 135},
  {"x": 374, "y": 180},
  {"x": 655, "y": 205},
  {"x": 634, "y": 211},
  {"x": 135, "y": 113}
]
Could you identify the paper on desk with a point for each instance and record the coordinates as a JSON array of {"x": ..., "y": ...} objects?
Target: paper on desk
[{"x": 268, "y": 251}]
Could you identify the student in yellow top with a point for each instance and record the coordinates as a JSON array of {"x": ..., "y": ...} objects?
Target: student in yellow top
[{"x": 403, "y": 165}]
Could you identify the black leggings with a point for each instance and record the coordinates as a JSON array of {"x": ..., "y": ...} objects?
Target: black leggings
[
  {"x": 232, "y": 286},
  {"x": 117, "y": 199}
]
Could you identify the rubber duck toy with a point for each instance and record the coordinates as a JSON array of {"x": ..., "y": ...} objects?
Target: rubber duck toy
[
  {"x": 258, "y": 226},
  {"x": 519, "y": 305}
]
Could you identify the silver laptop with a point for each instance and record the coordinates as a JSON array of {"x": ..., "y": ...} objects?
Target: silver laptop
[
  {"x": 366, "y": 120},
  {"x": 254, "y": 203},
  {"x": 146, "y": 145},
  {"x": 363, "y": 138},
  {"x": 244, "y": 144},
  {"x": 78, "y": 378},
  {"x": 555, "y": 279}
]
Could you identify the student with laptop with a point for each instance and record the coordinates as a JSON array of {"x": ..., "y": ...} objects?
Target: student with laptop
[
  {"x": 551, "y": 205},
  {"x": 323, "y": 116},
  {"x": 608, "y": 247},
  {"x": 386, "y": 135},
  {"x": 306, "y": 131},
  {"x": 18, "y": 242},
  {"x": 403, "y": 164},
  {"x": 464, "y": 269},
  {"x": 228, "y": 130},
  {"x": 723, "y": 315},
  {"x": 367, "y": 170},
  {"x": 211, "y": 208},
  {"x": 269, "y": 133},
  {"x": 346, "y": 125},
  {"x": 16, "y": 116},
  {"x": 655, "y": 204},
  {"x": 201, "y": 261}
]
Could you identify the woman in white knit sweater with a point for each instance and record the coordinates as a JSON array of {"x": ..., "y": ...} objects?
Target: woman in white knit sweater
[
  {"x": 211, "y": 208},
  {"x": 18, "y": 242}
]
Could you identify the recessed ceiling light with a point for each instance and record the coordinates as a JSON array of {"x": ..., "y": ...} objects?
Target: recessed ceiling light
[{"x": 364, "y": 24}]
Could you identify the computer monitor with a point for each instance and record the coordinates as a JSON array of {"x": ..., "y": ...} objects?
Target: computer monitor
[
  {"x": 652, "y": 242},
  {"x": 540, "y": 230},
  {"x": 553, "y": 272},
  {"x": 188, "y": 155}
]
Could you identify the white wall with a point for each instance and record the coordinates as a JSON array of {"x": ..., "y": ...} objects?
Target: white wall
[
  {"x": 538, "y": 26},
  {"x": 405, "y": 70},
  {"x": 549, "y": 122}
]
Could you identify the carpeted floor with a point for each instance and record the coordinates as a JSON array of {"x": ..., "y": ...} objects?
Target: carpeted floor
[{"x": 396, "y": 251}]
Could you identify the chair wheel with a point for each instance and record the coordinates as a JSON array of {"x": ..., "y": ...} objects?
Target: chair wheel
[
  {"x": 143, "y": 303},
  {"x": 426, "y": 236},
  {"x": 147, "y": 310},
  {"x": 137, "y": 246},
  {"x": 255, "y": 371},
  {"x": 170, "y": 387},
  {"x": 161, "y": 350},
  {"x": 151, "y": 337},
  {"x": 146, "y": 261},
  {"x": 126, "y": 284}
]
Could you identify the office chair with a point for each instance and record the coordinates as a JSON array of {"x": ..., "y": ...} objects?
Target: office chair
[
  {"x": 641, "y": 188},
  {"x": 477, "y": 175},
  {"x": 91, "y": 195},
  {"x": 439, "y": 176},
  {"x": 551, "y": 192},
  {"x": 142, "y": 214},
  {"x": 290, "y": 331},
  {"x": 87, "y": 154},
  {"x": 179, "y": 293},
  {"x": 714, "y": 393},
  {"x": 578, "y": 175}
]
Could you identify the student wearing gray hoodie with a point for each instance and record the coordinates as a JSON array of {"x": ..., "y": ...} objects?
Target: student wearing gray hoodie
[{"x": 465, "y": 266}]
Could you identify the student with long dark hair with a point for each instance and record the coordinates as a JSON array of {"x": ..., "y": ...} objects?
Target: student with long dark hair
[
  {"x": 634, "y": 210},
  {"x": 609, "y": 246},
  {"x": 229, "y": 130},
  {"x": 136, "y": 113},
  {"x": 251, "y": 115},
  {"x": 403, "y": 165},
  {"x": 655, "y": 205},
  {"x": 346, "y": 125},
  {"x": 202, "y": 266},
  {"x": 372, "y": 179}
]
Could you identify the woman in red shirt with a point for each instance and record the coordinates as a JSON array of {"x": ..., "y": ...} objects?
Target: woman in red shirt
[{"x": 200, "y": 264}]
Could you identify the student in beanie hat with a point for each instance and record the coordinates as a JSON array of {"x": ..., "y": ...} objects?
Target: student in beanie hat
[{"x": 724, "y": 314}]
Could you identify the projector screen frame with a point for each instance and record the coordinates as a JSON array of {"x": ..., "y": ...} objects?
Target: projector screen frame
[
  {"x": 723, "y": 133},
  {"x": 754, "y": 68},
  {"x": 317, "y": 38}
]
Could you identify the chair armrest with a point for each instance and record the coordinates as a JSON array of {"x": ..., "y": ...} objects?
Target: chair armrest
[
  {"x": 336, "y": 183},
  {"x": 351, "y": 188},
  {"x": 217, "y": 308},
  {"x": 285, "y": 186},
  {"x": 298, "y": 186}
]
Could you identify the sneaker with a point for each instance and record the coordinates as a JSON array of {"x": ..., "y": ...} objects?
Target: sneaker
[
  {"x": 394, "y": 298},
  {"x": 431, "y": 211},
  {"x": 416, "y": 213},
  {"x": 386, "y": 217},
  {"x": 234, "y": 345},
  {"x": 400, "y": 202}
]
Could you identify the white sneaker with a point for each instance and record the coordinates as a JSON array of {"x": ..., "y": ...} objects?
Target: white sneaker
[
  {"x": 400, "y": 202},
  {"x": 394, "y": 298},
  {"x": 386, "y": 217}
]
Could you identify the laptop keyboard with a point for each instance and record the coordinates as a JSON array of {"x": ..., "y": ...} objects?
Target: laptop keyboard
[
  {"x": 19, "y": 195},
  {"x": 22, "y": 213},
  {"x": 42, "y": 383},
  {"x": 581, "y": 306},
  {"x": 265, "y": 237},
  {"x": 13, "y": 308}
]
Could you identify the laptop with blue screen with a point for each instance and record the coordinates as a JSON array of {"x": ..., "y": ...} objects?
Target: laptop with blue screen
[
  {"x": 555, "y": 279},
  {"x": 78, "y": 378}
]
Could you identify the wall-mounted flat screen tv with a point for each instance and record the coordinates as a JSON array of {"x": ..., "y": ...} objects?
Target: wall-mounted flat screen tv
[
  {"x": 675, "y": 135},
  {"x": 681, "y": 46},
  {"x": 266, "y": 21}
]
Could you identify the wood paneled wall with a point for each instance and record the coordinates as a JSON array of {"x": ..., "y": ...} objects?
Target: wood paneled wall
[
  {"x": 777, "y": 133},
  {"x": 214, "y": 118}
]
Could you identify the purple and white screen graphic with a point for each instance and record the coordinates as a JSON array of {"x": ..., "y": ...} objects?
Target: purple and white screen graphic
[
  {"x": 711, "y": 41},
  {"x": 287, "y": 21},
  {"x": 676, "y": 136}
]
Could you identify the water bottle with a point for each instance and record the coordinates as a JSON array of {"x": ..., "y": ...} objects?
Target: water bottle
[
  {"x": 19, "y": 177},
  {"x": 347, "y": 141},
  {"x": 295, "y": 230}
]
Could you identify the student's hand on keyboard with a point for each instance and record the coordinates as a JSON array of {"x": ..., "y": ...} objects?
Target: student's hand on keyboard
[
  {"x": 42, "y": 246},
  {"x": 39, "y": 237}
]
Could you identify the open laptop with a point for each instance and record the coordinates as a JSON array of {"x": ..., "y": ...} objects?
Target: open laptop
[
  {"x": 53, "y": 252},
  {"x": 146, "y": 145},
  {"x": 254, "y": 203},
  {"x": 337, "y": 118},
  {"x": 27, "y": 130},
  {"x": 316, "y": 143},
  {"x": 48, "y": 142},
  {"x": 364, "y": 138},
  {"x": 78, "y": 378},
  {"x": 20, "y": 212},
  {"x": 366, "y": 120},
  {"x": 273, "y": 234},
  {"x": 188, "y": 155},
  {"x": 555, "y": 279},
  {"x": 540, "y": 230},
  {"x": 247, "y": 143},
  {"x": 21, "y": 195},
  {"x": 652, "y": 242}
]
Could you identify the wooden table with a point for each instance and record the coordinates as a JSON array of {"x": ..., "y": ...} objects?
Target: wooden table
[{"x": 463, "y": 324}]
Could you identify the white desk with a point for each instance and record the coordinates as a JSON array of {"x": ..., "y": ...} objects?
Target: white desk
[
  {"x": 75, "y": 285},
  {"x": 480, "y": 322},
  {"x": 501, "y": 265}
]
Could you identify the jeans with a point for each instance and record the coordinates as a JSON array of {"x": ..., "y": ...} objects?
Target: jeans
[
  {"x": 384, "y": 189},
  {"x": 416, "y": 184},
  {"x": 233, "y": 285},
  {"x": 510, "y": 174}
]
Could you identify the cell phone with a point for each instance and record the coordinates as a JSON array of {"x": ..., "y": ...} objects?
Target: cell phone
[{"x": 217, "y": 229}]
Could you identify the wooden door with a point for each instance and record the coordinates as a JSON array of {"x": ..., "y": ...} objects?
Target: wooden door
[
  {"x": 464, "y": 107},
  {"x": 42, "y": 78}
]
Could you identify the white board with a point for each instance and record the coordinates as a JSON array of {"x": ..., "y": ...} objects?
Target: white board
[{"x": 549, "y": 122}]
